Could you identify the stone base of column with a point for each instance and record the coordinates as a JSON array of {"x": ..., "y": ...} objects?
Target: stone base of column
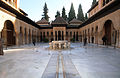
[{"x": 1, "y": 48}]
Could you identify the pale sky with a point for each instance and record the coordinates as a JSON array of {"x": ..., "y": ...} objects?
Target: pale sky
[{"x": 34, "y": 8}]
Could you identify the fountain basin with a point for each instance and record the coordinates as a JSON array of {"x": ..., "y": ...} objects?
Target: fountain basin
[{"x": 59, "y": 45}]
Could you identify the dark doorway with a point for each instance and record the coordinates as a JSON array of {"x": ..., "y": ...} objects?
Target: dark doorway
[
  {"x": 108, "y": 31},
  {"x": 8, "y": 34},
  {"x": 59, "y": 35}
]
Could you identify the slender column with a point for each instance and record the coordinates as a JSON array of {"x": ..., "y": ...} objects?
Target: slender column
[
  {"x": 64, "y": 32},
  {"x": 0, "y": 35},
  {"x": 118, "y": 39},
  {"x": 17, "y": 39},
  {"x": 61, "y": 35},
  {"x": 54, "y": 35}
]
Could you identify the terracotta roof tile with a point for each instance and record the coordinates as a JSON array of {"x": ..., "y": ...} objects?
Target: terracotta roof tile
[
  {"x": 59, "y": 20},
  {"x": 75, "y": 21},
  {"x": 42, "y": 21}
]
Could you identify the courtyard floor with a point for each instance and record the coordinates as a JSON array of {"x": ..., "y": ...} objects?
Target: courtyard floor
[{"x": 89, "y": 61}]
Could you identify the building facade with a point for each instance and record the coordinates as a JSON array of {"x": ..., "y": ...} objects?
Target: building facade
[
  {"x": 104, "y": 20},
  {"x": 17, "y": 29},
  {"x": 59, "y": 29}
]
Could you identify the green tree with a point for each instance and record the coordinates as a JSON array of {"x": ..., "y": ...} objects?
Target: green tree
[
  {"x": 86, "y": 17},
  {"x": 80, "y": 15},
  {"x": 71, "y": 14},
  {"x": 64, "y": 14},
  {"x": 57, "y": 14},
  {"x": 45, "y": 12},
  {"x": 94, "y": 2}
]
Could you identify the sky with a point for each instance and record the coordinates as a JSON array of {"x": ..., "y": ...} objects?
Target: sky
[{"x": 34, "y": 8}]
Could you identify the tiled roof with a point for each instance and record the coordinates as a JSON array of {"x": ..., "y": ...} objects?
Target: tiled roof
[
  {"x": 59, "y": 20},
  {"x": 42, "y": 21},
  {"x": 75, "y": 21}
]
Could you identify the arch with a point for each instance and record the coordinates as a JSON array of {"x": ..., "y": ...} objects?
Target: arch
[
  {"x": 8, "y": 34},
  {"x": 108, "y": 32}
]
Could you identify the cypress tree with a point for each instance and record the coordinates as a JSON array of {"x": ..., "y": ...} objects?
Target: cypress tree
[
  {"x": 57, "y": 14},
  {"x": 80, "y": 15},
  {"x": 71, "y": 13},
  {"x": 64, "y": 14},
  {"x": 86, "y": 17},
  {"x": 45, "y": 12}
]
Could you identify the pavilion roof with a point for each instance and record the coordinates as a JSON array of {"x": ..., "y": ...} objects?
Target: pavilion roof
[
  {"x": 59, "y": 20},
  {"x": 42, "y": 21}
]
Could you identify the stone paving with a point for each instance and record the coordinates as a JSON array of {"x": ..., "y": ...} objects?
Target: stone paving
[
  {"x": 89, "y": 62},
  {"x": 70, "y": 69},
  {"x": 50, "y": 71}
]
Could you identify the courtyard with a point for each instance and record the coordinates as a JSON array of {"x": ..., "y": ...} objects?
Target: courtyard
[{"x": 91, "y": 61}]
